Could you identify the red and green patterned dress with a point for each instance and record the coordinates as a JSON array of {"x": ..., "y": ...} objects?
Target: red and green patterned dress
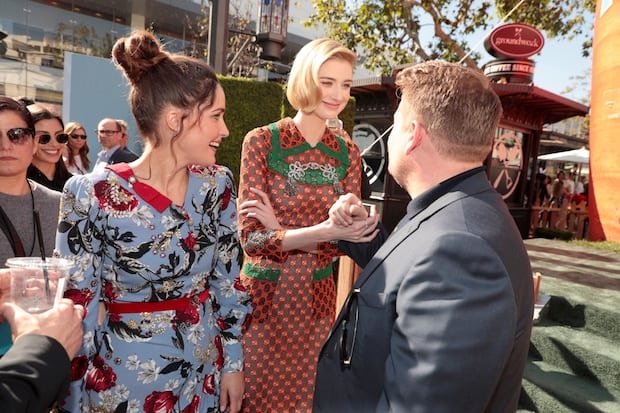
[{"x": 293, "y": 292}]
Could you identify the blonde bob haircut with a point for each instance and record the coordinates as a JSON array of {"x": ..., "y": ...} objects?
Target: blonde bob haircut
[{"x": 304, "y": 89}]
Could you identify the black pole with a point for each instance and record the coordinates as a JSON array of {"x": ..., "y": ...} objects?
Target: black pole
[{"x": 218, "y": 35}]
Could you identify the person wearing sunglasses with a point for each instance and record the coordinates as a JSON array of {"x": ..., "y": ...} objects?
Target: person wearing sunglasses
[
  {"x": 76, "y": 154},
  {"x": 19, "y": 196},
  {"x": 110, "y": 136},
  {"x": 48, "y": 167},
  {"x": 440, "y": 318}
]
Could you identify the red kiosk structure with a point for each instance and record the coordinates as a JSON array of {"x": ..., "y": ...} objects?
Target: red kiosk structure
[{"x": 512, "y": 165}]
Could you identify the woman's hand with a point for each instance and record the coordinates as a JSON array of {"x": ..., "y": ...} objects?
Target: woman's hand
[
  {"x": 361, "y": 229},
  {"x": 231, "y": 391},
  {"x": 260, "y": 209}
]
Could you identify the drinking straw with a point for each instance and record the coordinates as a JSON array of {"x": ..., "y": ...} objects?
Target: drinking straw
[{"x": 37, "y": 224}]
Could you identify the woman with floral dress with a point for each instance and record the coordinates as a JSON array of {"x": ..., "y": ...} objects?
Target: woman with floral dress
[
  {"x": 156, "y": 251},
  {"x": 296, "y": 168}
]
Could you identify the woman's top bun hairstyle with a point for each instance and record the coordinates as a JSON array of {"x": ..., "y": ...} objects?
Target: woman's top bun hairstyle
[{"x": 160, "y": 79}]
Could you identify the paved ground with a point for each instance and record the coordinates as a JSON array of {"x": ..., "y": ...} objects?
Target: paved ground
[{"x": 585, "y": 266}]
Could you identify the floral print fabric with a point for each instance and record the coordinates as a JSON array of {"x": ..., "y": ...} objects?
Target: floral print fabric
[{"x": 131, "y": 244}]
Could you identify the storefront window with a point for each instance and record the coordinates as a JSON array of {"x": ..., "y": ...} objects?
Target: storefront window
[{"x": 38, "y": 33}]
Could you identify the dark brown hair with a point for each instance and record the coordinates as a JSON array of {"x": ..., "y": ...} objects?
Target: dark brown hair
[
  {"x": 159, "y": 79},
  {"x": 7, "y": 103},
  {"x": 40, "y": 113}
]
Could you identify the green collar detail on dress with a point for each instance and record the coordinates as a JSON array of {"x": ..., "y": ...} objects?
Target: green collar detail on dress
[{"x": 318, "y": 176}]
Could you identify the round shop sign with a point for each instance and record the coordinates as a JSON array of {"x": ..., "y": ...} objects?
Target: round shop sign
[{"x": 514, "y": 41}]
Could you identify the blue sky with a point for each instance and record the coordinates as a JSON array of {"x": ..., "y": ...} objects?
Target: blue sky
[{"x": 557, "y": 63}]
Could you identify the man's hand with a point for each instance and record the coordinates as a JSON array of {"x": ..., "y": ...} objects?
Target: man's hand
[
  {"x": 62, "y": 323},
  {"x": 5, "y": 285},
  {"x": 346, "y": 209}
]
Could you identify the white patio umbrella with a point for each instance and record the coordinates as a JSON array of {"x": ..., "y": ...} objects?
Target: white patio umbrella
[{"x": 581, "y": 155}]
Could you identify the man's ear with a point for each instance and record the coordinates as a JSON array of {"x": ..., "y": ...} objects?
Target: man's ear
[{"x": 414, "y": 136}]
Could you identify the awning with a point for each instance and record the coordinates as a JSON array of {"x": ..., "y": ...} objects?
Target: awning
[
  {"x": 581, "y": 155},
  {"x": 552, "y": 107}
]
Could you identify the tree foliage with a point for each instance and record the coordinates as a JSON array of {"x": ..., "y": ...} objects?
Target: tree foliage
[{"x": 386, "y": 33}]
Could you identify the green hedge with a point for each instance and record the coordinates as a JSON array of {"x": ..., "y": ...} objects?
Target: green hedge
[
  {"x": 550, "y": 233},
  {"x": 250, "y": 104}
]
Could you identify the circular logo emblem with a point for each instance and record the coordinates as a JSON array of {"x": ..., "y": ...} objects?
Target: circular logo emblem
[
  {"x": 507, "y": 164},
  {"x": 372, "y": 147}
]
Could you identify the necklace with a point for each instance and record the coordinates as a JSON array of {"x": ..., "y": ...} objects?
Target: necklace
[{"x": 134, "y": 178}]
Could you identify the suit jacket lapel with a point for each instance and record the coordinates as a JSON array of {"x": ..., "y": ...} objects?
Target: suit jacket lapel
[
  {"x": 403, "y": 233},
  {"x": 475, "y": 184}
]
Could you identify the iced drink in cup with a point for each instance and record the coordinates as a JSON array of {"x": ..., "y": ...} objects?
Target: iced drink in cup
[{"x": 37, "y": 284}]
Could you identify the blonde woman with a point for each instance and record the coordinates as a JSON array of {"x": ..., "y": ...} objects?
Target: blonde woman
[{"x": 296, "y": 168}]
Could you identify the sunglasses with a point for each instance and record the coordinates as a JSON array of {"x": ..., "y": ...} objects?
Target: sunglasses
[
  {"x": 107, "y": 132},
  {"x": 78, "y": 136},
  {"x": 46, "y": 138},
  {"x": 19, "y": 135}
]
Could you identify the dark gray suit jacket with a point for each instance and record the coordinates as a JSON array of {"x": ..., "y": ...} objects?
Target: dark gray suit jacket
[
  {"x": 444, "y": 314},
  {"x": 122, "y": 155},
  {"x": 34, "y": 373}
]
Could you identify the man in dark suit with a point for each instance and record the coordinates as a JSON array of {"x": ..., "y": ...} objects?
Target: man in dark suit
[
  {"x": 110, "y": 136},
  {"x": 440, "y": 318}
]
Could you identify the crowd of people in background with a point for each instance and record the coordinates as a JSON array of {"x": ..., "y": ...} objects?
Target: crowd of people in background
[{"x": 552, "y": 192}]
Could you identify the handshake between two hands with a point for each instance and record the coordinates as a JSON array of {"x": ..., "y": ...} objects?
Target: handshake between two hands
[
  {"x": 349, "y": 220},
  {"x": 353, "y": 220}
]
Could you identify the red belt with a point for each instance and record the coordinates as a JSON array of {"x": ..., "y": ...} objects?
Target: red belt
[{"x": 175, "y": 304}]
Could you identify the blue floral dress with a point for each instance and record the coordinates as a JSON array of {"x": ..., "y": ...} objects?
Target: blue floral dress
[{"x": 169, "y": 278}]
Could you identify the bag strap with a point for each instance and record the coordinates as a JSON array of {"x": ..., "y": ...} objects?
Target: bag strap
[{"x": 11, "y": 234}]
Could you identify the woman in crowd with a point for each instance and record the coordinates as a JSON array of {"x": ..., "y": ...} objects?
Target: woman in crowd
[
  {"x": 19, "y": 196},
  {"x": 296, "y": 168},
  {"x": 156, "y": 246},
  {"x": 47, "y": 166},
  {"x": 76, "y": 155}
]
